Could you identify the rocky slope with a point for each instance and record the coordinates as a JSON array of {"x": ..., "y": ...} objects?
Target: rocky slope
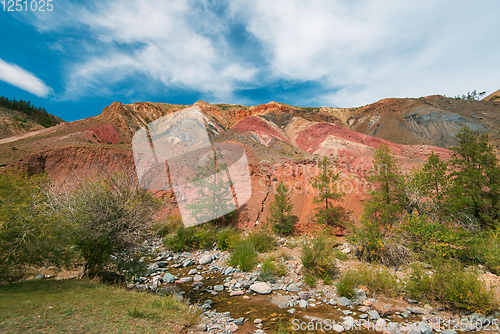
[{"x": 281, "y": 143}]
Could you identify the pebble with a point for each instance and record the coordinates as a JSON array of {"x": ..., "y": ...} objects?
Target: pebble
[
  {"x": 343, "y": 301},
  {"x": 257, "y": 321},
  {"x": 374, "y": 315},
  {"x": 219, "y": 288},
  {"x": 236, "y": 293}
]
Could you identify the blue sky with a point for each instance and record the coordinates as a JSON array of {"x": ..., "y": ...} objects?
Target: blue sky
[{"x": 82, "y": 56}]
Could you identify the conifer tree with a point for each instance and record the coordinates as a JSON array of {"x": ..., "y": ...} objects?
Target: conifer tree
[
  {"x": 326, "y": 212},
  {"x": 281, "y": 211}
]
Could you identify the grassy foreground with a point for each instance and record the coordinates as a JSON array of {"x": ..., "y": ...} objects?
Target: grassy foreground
[{"x": 83, "y": 306}]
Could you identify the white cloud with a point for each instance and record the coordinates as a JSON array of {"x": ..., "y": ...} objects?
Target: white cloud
[
  {"x": 358, "y": 51},
  {"x": 171, "y": 42},
  {"x": 368, "y": 50},
  {"x": 19, "y": 77}
]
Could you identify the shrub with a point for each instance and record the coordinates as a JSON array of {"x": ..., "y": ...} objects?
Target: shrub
[
  {"x": 375, "y": 245},
  {"x": 486, "y": 249},
  {"x": 227, "y": 237},
  {"x": 451, "y": 285},
  {"x": 269, "y": 270},
  {"x": 172, "y": 223},
  {"x": 428, "y": 238},
  {"x": 111, "y": 215},
  {"x": 194, "y": 237},
  {"x": 376, "y": 279},
  {"x": 310, "y": 280},
  {"x": 29, "y": 236},
  {"x": 346, "y": 285},
  {"x": 262, "y": 240},
  {"x": 317, "y": 256},
  {"x": 243, "y": 255}
]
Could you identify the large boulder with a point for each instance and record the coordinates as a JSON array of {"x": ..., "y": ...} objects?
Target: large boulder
[{"x": 261, "y": 288}]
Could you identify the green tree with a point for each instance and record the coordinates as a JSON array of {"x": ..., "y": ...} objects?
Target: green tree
[
  {"x": 389, "y": 199},
  {"x": 434, "y": 182},
  {"x": 325, "y": 184},
  {"x": 28, "y": 235},
  {"x": 281, "y": 211},
  {"x": 476, "y": 178},
  {"x": 215, "y": 198}
]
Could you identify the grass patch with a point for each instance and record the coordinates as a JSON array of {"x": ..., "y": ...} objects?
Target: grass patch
[
  {"x": 194, "y": 237},
  {"x": 227, "y": 238},
  {"x": 262, "y": 240},
  {"x": 451, "y": 285},
  {"x": 317, "y": 256},
  {"x": 83, "y": 306},
  {"x": 377, "y": 279},
  {"x": 269, "y": 270},
  {"x": 243, "y": 256},
  {"x": 310, "y": 280}
]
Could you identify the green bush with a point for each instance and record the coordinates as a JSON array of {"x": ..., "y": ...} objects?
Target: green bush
[
  {"x": 486, "y": 249},
  {"x": 163, "y": 228},
  {"x": 376, "y": 245},
  {"x": 226, "y": 238},
  {"x": 310, "y": 280},
  {"x": 269, "y": 270},
  {"x": 429, "y": 239},
  {"x": 346, "y": 285},
  {"x": 451, "y": 285},
  {"x": 194, "y": 237},
  {"x": 28, "y": 235},
  {"x": 376, "y": 279},
  {"x": 263, "y": 240},
  {"x": 243, "y": 255},
  {"x": 317, "y": 256}
]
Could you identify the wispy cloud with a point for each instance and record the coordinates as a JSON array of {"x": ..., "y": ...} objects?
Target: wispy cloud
[
  {"x": 356, "y": 51},
  {"x": 19, "y": 77},
  {"x": 170, "y": 43},
  {"x": 366, "y": 50}
]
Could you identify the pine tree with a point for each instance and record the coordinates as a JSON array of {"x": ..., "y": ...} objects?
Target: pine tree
[
  {"x": 326, "y": 212},
  {"x": 476, "y": 178},
  {"x": 281, "y": 211},
  {"x": 215, "y": 198},
  {"x": 434, "y": 181},
  {"x": 388, "y": 200}
]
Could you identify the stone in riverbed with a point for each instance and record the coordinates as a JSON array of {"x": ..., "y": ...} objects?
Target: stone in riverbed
[
  {"x": 218, "y": 288},
  {"x": 192, "y": 272},
  {"x": 374, "y": 315},
  {"x": 303, "y": 303},
  {"x": 228, "y": 271},
  {"x": 168, "y": 278},
  {"x": 188, "y": 263},
  {"x": 293, "y": 288},
  {"x": 205, "y": 259},
  {"x": 304, "y": 296},
  {"x": 239, "y": 321},
  {"x": 332, "y": 302},
  {"x": 236, "y": 293},
  {"x": 232, "y": 327},
  {"x": 360, "y": 295},
  {"x": 419, "y": 310},
  {"x": 186, "y": 279},
  {"x": 343, "y": 301},
  {"x": 261, "y": 288},
  {"x": 198, "y": 278}
]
